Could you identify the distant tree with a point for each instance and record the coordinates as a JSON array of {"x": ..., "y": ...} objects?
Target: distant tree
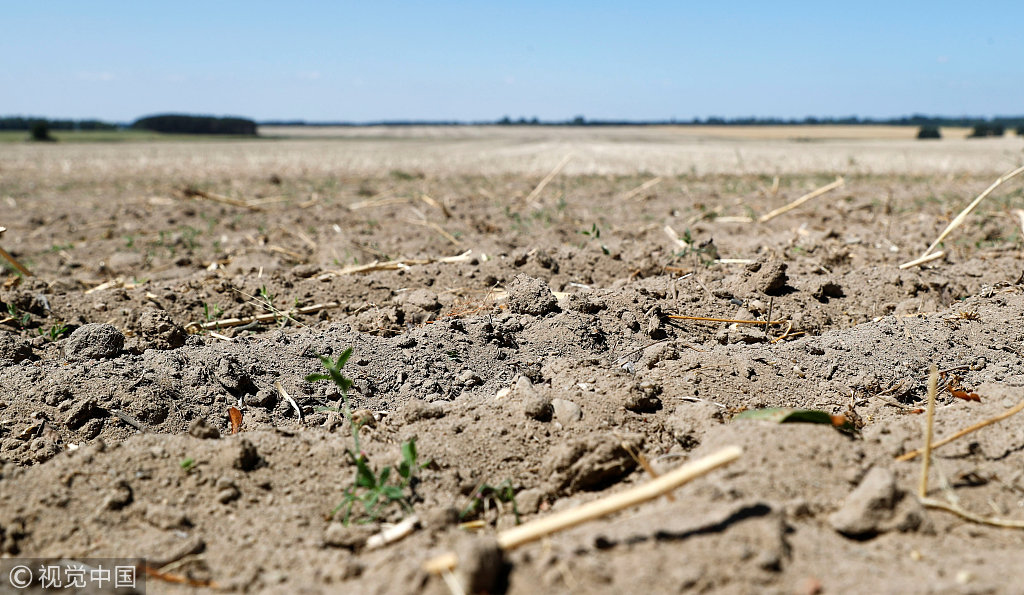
[
  {"x": 928, "y": 131},
  {"x": 41, "y": 132},
  {"x": 185, "y": 124},
  {"x": 985, "y": 129},
  {"x": 579, "y": 121}
]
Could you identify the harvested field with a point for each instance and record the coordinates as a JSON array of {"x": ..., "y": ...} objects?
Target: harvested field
[{"x": 534, "y": 323}]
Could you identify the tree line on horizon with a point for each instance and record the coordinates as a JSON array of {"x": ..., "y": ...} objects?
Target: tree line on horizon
[
  {"x": 197, "y": 124},
  {"x": 166, "y": 123}
]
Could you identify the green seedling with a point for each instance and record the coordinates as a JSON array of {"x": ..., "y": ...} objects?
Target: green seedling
[
  {"x": 211, "y": 314},
  {"x": 188, "y": 236},
  {"x": 335, "y": 375},
  {"x": 19, "y": 318},
  {"x": 594, "y": 233},
  {"x": 485, "y": 496},
  {"x": 268, "y": 298},
  {"x": 374, "y": 490},
  {"x": 706, "y": 252},
  {"x": 188, "y": 465},
  {"x": 55, "y": 333}
]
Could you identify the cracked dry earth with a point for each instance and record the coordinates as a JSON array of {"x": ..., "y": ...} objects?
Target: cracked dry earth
[{"x": 541, "y": 360}]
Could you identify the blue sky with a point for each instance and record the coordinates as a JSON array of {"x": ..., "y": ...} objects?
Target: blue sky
[{"x": 482, "y": 60}]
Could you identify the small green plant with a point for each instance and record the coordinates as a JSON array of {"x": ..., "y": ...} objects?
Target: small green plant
[
  {"x": 211, "y": 313},
  {"x": 485, "y": 496},
  {"x": 374, "y": 490},
  {"x": 188, "y": 236},
  {"x": 55, "y": 333},
  {"x": 188, "y": 465},
  {"x": 19, "y": 318},
  {"x": 267, "y": 296},
  {"x": 594, "y": 233},
  {"x": 705, "y": 253}
]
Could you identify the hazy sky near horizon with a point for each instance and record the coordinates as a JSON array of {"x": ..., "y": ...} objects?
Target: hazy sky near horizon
[{"x": 364, "y": 61}]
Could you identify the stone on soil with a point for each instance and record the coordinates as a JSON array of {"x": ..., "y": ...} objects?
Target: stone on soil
[
  {"x": 869, "y": 508},
  {"x": 566, "y": 412}
]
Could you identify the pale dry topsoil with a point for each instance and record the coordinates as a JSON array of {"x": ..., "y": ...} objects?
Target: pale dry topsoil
[{"x": 544, "y": 361}]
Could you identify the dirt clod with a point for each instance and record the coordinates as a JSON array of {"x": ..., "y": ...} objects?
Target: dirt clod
[
  {"x": 527, "y": 295},
  {"x": 534, "y": 403},
  {"x": 350, "y": 537},
  {"x": 247, "y": 458},
  {"x": 589, "y": 463},
  {"x": 81, "y": 412},
  {"x": 771, "y": 277},
  {"x": 94, "y": 341},
  {"x": 156, "y": 329},
  {"x": 118, "y": 496},
  {"x": 13, "y": 349},
  {"x": 869, "y": 508},
  {"x": 166, "y": 517},
  {"x": 202, "y": 429},
  {"x": 481, "y": 564}
]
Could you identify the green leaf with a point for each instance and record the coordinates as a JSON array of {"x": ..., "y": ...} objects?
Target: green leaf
[
  {"x": 409, "y": 452},
  {"x": 785, "y": 415},
  {"x": 343, "y": 358},
  {"x": 317, "y": 377},
  {"x": 364, "y": 475},
  {"x": 385, "y": 473},
  {"x": 393, "y": 493}
]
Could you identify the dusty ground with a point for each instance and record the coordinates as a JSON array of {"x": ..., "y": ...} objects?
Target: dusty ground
[{"x": 527, "y": 363}]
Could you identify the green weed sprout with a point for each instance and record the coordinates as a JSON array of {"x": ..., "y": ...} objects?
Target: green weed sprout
[
  {"x": 55, "y": 333},
  {"x": 343, "y": 383},
  {"x": 375, "y": 490},
  {"x": 484, "y": 496},
  {"x": 594, "y": 233}
]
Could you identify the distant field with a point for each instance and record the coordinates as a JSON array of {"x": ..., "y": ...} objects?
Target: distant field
[
  {"x": 495, "y": 150},
  {"x": 663, "y": 133},
  {"x": 725, "y": 132}
]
